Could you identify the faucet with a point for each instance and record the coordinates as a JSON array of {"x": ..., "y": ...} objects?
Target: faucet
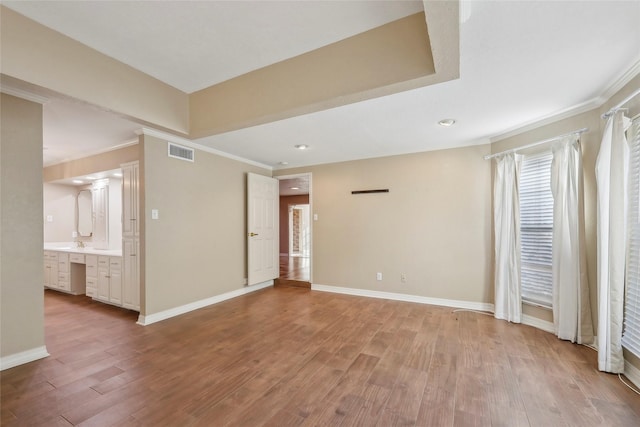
[{"x": 80, "y": 243}]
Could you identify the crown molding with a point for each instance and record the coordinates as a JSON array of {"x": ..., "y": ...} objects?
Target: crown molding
[
  {"x": 589, "y": 105},
  {"x": 187, "y": 142},
  {"x": 20, "y": 93}
]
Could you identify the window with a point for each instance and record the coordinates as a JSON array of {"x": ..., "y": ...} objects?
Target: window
[
  {"x": 536, "y": 229},
  {"x": 631, "y": 331}
]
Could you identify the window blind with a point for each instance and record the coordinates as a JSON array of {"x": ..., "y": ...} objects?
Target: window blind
[
  {"x": 536, "y": 228},
  {"x": 631, "y": 331}
]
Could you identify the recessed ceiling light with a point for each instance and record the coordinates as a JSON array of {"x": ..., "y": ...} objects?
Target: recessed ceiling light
[
  {"x": 446, "y": 122},
  {"x": 294, "y": 188},
  {"x": 283, "y": 163},
  {"x": 301, "y": 146},
  {"x": 77, "y": 181}
]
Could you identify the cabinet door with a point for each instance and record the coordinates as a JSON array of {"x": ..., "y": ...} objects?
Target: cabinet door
[
  {"x": 100, "y": 196},
  {"x": 103, "y": 278},
  {"x": 130, "y": 274},
  {"x": 115, "y": 280},
  {"x": 53, "y": 273},
  {"x": 130, "y": 221}
]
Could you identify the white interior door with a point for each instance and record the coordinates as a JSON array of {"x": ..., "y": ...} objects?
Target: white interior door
[{"x": 263, "y": 202}]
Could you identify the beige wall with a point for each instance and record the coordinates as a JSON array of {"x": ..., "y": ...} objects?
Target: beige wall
[
  {"x": 285, "y": 201},
  {"x": 60, "y": 204},
  {"x": 78, "y": 71},
  {"x": 21, "y": 256},
  {"x": 433, "y": 225},
  {"x": 92, "y": 164},
  {"x": 197, "y": 249}
]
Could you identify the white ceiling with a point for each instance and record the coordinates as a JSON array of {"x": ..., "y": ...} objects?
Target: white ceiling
[{"x": 520, "y": 62}]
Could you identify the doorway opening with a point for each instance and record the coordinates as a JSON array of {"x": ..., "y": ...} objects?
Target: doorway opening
[{"x": 295, "y": 230}]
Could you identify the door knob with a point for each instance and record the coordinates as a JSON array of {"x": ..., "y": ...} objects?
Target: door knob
[{"x": 253, "y": 234}]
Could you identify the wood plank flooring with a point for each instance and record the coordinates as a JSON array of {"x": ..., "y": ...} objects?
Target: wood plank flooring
[
  {"x": 294, "y": 268},
  {"x": 295, "y": 357}
]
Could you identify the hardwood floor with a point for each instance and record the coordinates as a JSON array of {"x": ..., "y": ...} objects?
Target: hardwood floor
[
  {"x": 295, "y": 357},
  {"x": 294, "y": 268}
]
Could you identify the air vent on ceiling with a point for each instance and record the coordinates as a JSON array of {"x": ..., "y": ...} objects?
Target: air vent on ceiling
[{"x": 180, "y": 152}]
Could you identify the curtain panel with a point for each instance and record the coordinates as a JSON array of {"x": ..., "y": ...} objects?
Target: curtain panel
[
  {"x": 508, "y": 302},
  {"x": 570, "y": 286},
  {"x": 611, "y": 177}
]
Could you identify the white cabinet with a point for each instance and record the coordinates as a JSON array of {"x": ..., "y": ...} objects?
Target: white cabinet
[
  {"x": 130, "y": 200},
  {"x": 131, "y": 274},
  {"x": 131, "y": 236},
  {"x": 64, "y": 279},
  {"x": 91, "y": 269},
  {"x": 63, "y": 271},
  {"x": 51, "y": 269},
  {"x": 100, "y": 196},
  {"x": 109, "y": 280}
]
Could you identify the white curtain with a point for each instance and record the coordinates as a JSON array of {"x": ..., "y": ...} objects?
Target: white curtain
[
  {"x": 611, "y": 177},
  {"x": 506, "y": 213},
  {"x": 571, "y": 303}
]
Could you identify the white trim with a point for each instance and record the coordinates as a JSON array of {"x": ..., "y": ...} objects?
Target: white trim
[
  {"x": 179, "y": 140},
  {"x": 20, "y": 93},
  {"x": 285, "y": 254},
  {"x": 23, "y": 357},
  {"x": 632, "y": 373},
  {"x": 470, "y": 305},
  {"x": 589, "y": 105},
  {"x": 544, "y": 325},
  {"x": 176, "y": 311}
]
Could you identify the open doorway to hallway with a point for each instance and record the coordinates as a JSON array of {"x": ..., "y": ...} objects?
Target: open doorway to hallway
[{"x": 295, "y": 228}]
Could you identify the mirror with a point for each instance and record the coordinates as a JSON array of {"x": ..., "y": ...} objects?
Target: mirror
[{"x": 84, "y": 213}]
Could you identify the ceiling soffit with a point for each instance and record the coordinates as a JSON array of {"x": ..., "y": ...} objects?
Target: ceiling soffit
[{"x": 388, "y": 59}]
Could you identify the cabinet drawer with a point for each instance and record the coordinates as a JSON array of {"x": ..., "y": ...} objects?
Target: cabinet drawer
[
  {"x": 92, "y": 285},
  {"x": 63, "y": 277},
  {"x": 63, "y": 262},
  {"x": 91, "y": 260},
  {"x": 91, "y": 271},
  {"x": 115, "y": 263},
  {"x": 76, "y": 258},
  {"x": 64, "y": 285},
  {"x": 51, "y": 256},
  {"x": 103, "y": 261}
]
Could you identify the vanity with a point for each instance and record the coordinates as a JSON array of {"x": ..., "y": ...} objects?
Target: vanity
[
  {"x": 94, "y": 272},
  {"x": 104, "y": 218}
]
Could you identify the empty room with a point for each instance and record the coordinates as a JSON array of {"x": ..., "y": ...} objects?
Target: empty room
[{"x": 317, "y": 213}]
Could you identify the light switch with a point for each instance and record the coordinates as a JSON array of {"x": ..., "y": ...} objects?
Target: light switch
[
  {"x": 49, "y": 218},
  {"x": 155, "y": 214},
  {"x": 315, "y": 217}
]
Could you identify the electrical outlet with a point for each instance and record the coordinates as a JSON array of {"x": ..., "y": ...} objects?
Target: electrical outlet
[
  {"x": 378, "y": 276},
  {"x": 403, "y": 278}
]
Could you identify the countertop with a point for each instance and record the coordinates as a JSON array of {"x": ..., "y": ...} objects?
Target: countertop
[{"x": 70, "y": 247}]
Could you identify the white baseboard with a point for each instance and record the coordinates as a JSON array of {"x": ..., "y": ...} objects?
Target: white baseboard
[
  {"x": 176, "y": 311},
  {"x": 632, "y": 373},
  {"x": 23, "y": 357},
  {"x": 470, "y": 305},
  {"x": 545, "y": 325}
]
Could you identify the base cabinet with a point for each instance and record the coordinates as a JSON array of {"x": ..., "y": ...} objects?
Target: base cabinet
[
  {"x": 109, "y": 279},
  {"x": 62, "y": 272},
  {"x": 131, "y": 274}
]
